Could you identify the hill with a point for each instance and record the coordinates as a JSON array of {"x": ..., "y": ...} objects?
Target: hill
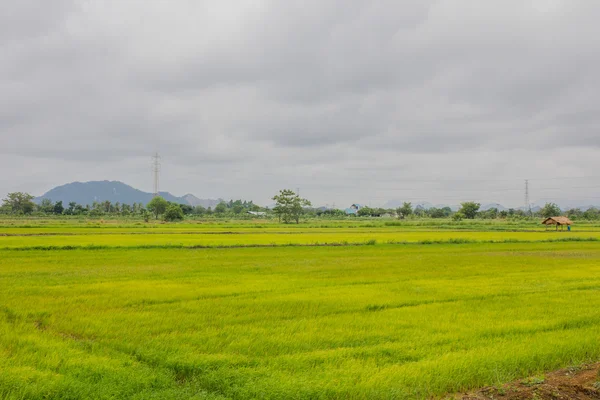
[{"x": 114, "y": 191}]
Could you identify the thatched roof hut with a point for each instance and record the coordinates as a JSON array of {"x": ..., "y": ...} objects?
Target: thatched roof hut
[{"x": 558, "y": 221}]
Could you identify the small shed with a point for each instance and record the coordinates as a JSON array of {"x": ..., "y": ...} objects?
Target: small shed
[{"x": 558, "y": 221}]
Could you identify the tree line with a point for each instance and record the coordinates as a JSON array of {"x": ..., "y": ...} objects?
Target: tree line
[
  {"x": 19, "y": 203},
  {"x": 289, "y": 208}
]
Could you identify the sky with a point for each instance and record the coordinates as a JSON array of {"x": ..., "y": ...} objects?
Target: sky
[{"x": 348, "y": 101}]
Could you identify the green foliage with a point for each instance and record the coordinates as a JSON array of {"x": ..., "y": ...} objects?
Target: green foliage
[
  {"x": 157, "y": 206},
  {"x": 550, "y": 210},
  {"x": 405, "y": 211},
  {"x": 289, "y": 206},
  {"x": 458, "y": 216},
  {"x": 186, "y": 209},
  {"x": 469, "y": 209},
  {"x": 533, "y": 381},
  {"x": 46, "y": 206},
  {"x": 221, "y": 208},
  {"x": 173, "y": 213},
  {"x": 365, "y": 212},
  {"x": 18, "y": 203},
  {"x": 58, "y": 208}
]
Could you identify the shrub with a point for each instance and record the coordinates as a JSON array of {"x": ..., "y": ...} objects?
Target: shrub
[
  {"x": 458, "y": 216},
  {"x": 173, "y": 213}
]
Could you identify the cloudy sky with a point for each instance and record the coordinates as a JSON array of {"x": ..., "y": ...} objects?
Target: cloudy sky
[{"x": 350, "y": 101}]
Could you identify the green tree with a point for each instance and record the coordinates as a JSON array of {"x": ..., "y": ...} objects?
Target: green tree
[
  {"x": 221, "y": 208},
  {"x": 436, "y": 212},
  {"x": 19, "y": 203},
  {"x": 46, "y": 206},
  {"x": 289, "y": 206},
  {"x": 58, "y": 208},
  {"x": 157, "y": 206},
  {"x": 405, "y": 210},
  {"x": 458, "y": 216},
  {"x": 186, "y": 208},
  {"x": 71, "y": 209},
  {"x": 365, "y": 212},
  {"x": 173, "y": 213},
  {"x": 591, "y": 214},
  {"x": 199, "y": 210},
  {"x": 106, "y": 206},
  {"x": 550, "y": 210},
  {"x": 469, "y": 209}
]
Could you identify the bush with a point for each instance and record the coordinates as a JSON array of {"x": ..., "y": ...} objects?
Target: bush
[
  {"x": 173, "y": 213},
  {"x": 458, "y": 216}
]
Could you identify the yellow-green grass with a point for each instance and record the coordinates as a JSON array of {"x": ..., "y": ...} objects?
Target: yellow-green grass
[
  {"x": 89, "y": 225},
  {"x": 382, "y": 321},
  {"x": 265, "y": 238}
]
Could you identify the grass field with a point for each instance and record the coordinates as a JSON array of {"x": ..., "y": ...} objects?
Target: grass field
[{"x": 380, "y": 321}]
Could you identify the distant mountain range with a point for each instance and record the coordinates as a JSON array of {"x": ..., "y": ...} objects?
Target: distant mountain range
[
  {"x": 87, "y": 192},
  {"x": 484, "y": 207}
]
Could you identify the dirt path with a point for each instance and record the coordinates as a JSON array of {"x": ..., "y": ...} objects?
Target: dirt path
[{"x": 580, "y": 383}]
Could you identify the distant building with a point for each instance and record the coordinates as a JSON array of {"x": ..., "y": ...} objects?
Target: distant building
[
  {"x": 353, "y": 209},
  {"x": 257, "y": 213}
]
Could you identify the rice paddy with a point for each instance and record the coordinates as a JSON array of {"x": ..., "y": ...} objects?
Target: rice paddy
[{"x": 115, "y": 311}]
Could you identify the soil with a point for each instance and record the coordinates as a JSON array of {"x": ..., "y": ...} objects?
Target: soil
[{"x": 575, "y": 383}]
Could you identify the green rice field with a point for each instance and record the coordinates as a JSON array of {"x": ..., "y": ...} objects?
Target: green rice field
[{"x": 325, "y": 311}]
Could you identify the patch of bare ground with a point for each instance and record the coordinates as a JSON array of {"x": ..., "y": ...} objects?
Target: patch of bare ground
[{"x": 574, "y": 383}]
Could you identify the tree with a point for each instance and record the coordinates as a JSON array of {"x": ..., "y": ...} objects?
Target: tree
[
  {"x": 173, "y": 213},
  {"x": 19, "y": 203},
  {"x": 550, "y": 210},
  {"x": 221, "y": 208},
  {"x": 365, "y": 211},
  {"x": 58, "y": 208},
  {"x": 46, "y": 206},
  {"x": 289, "y": 206},
  {"x": 405, "y": 210},
  {"x": 469, "y": 209},
  {"x": 591, "y": 214},
  {"x": 437, "y": 212},
  {"x": 458, "y": 216},
  {"x": 157, "y": 206},
  {"x": 199, "y": 210},
  {"x": 186, "y": 208},
  {"x": 71, "y": 209}
]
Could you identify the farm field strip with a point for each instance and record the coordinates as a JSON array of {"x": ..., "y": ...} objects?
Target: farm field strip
[
  {"x": 287, "y": 238},
  {"x": 115, "y": 227},
  {"x": 212, "y": 230},
  {"x": 293, "y": 322}
]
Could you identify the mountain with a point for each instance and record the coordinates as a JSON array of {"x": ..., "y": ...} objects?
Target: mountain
[
  {"x": 497, "y": 206},
  {"x": 194, "y": 201},
  {"x": 114, "y": 191}
]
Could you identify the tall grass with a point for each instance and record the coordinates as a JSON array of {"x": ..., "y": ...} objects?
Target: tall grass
[{"x": 350, "y": 322}]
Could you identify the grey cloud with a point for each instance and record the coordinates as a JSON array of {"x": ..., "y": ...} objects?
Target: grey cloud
[{"x": 299, "y": 93}]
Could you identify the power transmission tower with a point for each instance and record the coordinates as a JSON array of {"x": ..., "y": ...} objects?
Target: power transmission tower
[
  {"x": 527, "y": 203},
  {"x": 156, "y": 170}
]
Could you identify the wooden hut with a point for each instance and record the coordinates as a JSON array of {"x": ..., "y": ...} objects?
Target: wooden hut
[{"x": 558, "y": 221}]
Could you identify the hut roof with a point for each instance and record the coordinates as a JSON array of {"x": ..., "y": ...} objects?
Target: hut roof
[{"x": 557, "y": 221}]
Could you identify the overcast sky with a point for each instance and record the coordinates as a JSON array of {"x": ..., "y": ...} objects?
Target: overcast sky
[{"x": 351, "y": 101}]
